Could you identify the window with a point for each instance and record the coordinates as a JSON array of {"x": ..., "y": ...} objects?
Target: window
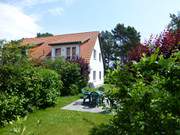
[
  {"x": 99, "y": 75},
  {"x": 94, "y": 75},
  {"x": 68, "y": 53},
  {"x": 58, "y": 52},
  {"x": 73, "y": 52},
  {"x": 99, "y": 57},
  {"x": 94, "y": 52}
]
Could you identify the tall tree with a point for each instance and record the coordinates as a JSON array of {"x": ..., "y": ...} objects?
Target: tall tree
[
  {"x": 175, "y": 22},
  {"x": 107, "y": 44},
  {"x": 44, "y": 34},
  {"x": 126, "y": 38}
]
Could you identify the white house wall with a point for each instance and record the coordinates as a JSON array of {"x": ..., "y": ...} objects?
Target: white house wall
[{"x": 96, "y": 65}]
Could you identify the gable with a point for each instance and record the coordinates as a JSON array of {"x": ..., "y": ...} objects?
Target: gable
[{"x": 86, "y": 40}]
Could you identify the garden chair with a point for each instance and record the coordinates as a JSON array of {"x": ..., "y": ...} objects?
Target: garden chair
[
  {"x": 95, "y": 98},
  {"x": 86, "y": 95}
]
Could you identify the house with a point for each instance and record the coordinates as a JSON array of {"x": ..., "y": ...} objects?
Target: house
[{"x": 85, "y": 45}]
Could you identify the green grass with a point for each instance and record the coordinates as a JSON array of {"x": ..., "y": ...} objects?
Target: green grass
[{"x": 54, "y": 121}]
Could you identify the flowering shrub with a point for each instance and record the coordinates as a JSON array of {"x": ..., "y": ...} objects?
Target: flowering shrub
[
  {"x": 138, "y": 52},
  {"x": 168, "y": 42}
]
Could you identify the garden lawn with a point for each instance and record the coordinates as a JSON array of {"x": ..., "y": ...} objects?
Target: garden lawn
[{"x": 55, "y": 121}]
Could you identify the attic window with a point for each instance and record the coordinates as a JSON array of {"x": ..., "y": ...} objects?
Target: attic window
[
  {"x": 73, "y": 52},
  {"x": 68, "y": 54},
  {"x": 94, "y": 54},
  {"x": 58, "y": 51}
]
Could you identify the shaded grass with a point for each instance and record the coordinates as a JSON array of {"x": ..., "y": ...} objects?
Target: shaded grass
[{"x": 55, "y": 121}]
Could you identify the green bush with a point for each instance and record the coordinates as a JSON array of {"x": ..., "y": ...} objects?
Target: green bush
[
  {"x": 147, "y": 98},
  {"x": 40, "y": 86},
  {"x": 49, "y": 90},
  {"x": 69, "y": 73},
  {"x": 11, "y": 106},
  {"x": 23, "y": 89}
]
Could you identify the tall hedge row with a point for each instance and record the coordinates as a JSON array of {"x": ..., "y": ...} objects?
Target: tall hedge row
[{"x": 24, "y": 88}]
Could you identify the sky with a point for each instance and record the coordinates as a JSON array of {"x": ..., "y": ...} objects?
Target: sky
[{"x": 24, "y": 18}]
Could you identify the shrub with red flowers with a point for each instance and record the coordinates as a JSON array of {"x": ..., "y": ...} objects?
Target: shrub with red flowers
[
  {"x": 138, "y": 52},
  {"x": 168, "y": 42}
]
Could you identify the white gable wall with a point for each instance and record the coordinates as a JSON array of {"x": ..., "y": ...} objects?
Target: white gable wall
[{"x": 96, "y": 65}]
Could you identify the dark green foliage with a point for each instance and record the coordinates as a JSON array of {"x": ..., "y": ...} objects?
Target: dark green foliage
[
  {"x": 146, "y": 99},
  {"x": 11, "y": 106},
  {"x": 175, "y": 22},
  {"x": 116, "y": 44},
  {"x": 107, "y": 47},
  {"x": 39, "y": 86},
  {"x": 44, "y": 34},
  {"x": 13, "y": 53},
  {"x": 49, "y": 90},
  {"x": 22, "y": 86},
  {"x": 69, "y": 73},
  {"x": 23, "y": 89},
  {"x": 84, "y": 71},
  {"x": 126, "y": 39}
]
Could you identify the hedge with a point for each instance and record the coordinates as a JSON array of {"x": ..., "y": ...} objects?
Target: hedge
[{"x": 25, "y": 88}]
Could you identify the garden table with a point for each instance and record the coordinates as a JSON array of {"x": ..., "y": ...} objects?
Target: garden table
[{"x": 95, "y": 97}]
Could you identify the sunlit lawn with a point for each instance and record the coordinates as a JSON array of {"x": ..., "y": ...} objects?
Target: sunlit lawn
[{"x": 54, "y": 121}]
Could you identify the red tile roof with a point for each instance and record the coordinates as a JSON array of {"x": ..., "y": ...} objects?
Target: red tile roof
[{"x": 42, "y": 47}]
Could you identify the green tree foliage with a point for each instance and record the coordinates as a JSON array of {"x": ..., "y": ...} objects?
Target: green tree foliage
[
  {"x": 146, "y": 99},
  {"x": 24, "y": 87},
  {"x": 116, "y": 44},
  {"x": 69, "y": 73},
  {"x": 126, "y": 39},
  {"x": 44, "y": 34},
  {"x": 13, "y": 53},
  {"x": 175, "y": 22},
  {"x": 108, "y": 47}
]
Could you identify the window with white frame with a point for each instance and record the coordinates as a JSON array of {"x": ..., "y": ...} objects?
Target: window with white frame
[
  {"x": 68, "y": 52},
  {"x": 58, "y": 52},
  {"x": 73, "y": 52},
  {"x": 94, "y": 54},
  {"x": 94, "y": 75}
]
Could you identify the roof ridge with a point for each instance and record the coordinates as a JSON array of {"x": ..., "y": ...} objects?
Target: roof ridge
[
  {"x": 77, "y": 33},
  {"x": 63, "y": 35}
]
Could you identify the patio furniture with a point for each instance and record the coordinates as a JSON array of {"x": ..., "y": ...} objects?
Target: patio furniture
[
  {"x": 101, "y": 96},
  {"x": 86, "y": 95},
  {"x": 97, "y": 98},
  {"x": 94, "y": 98}
]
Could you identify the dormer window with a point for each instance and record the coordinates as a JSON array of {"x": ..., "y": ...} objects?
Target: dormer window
[
  {"x": 68, "y": 53},
  {"x": 58, "y": 52},
  {"x": 73, "y": 52},
  {"x": 94, "y": 54}
]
